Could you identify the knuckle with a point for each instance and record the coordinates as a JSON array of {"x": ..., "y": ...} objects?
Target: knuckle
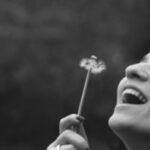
[
  {"x": 61, "y": 122},
  {"x": 73, "y": 115},
  {"x": 67, "y": 119},
  {"x": 66, "y": 133}
]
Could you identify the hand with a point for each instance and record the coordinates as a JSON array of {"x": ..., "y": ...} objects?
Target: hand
[{"x": 72, "y": 134}]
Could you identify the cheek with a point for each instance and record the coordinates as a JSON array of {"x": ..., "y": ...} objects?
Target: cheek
[
  {"x": 120, "y": 87},
  {"x": 122, "y": 83}
]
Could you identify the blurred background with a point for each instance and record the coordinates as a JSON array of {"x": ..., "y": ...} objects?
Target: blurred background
[{"x": 41, "y": 45}]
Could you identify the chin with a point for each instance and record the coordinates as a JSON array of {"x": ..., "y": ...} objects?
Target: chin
[
  {"x": 126, "y": 127},
  {"x": 120, "y": 126},
  {"x": 117, "y": 123}
]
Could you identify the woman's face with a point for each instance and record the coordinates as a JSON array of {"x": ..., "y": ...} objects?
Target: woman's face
[{"x": 132, "y": 110}]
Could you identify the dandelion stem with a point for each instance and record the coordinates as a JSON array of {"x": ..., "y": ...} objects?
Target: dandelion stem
[{"x": 84, "y": 92}]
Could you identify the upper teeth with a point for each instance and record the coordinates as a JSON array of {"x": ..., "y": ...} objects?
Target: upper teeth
[{"x": 136, "y": 93}]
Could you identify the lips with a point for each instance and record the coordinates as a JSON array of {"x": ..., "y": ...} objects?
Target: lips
[{"x": 133, "y": 96}]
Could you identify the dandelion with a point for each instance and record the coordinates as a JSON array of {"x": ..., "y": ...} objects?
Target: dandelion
[{"x": 92, "y": 66}]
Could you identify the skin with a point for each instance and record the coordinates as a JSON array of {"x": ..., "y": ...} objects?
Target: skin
[
  {"x": 130, "y": 122},
  {"x": 70, "y": 138}
]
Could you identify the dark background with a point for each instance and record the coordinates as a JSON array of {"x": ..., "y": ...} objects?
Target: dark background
[{"x": 41, "y": 44}]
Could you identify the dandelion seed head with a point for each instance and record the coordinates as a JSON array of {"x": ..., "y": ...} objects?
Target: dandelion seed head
[{"x": 95, "y": 66}]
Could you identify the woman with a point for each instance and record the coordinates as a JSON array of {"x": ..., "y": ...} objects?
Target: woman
[{"x": 130, "y": 120}]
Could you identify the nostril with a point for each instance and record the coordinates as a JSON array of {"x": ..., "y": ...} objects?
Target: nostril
[
  {"x": 132, "y": 74},
  {"x": 135, "y": 75},
  {"x": 136, "y": 72}
]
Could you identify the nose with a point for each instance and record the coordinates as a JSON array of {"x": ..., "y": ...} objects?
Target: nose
[{"x": 136, "y": 71}]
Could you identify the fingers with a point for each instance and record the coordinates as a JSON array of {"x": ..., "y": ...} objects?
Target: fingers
[
  {"x": 71, "y": 138},
  {"x": 69, "y": 121},
  {"x": 73, "y": 122}
]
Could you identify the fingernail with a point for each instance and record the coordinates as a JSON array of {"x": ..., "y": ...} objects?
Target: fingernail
[{"x": 80, "y": 118}]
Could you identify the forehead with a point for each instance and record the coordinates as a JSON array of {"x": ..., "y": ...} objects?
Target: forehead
[{"x": 146, "y": 58}]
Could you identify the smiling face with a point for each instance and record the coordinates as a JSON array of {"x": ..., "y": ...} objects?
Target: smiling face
[{"x": 132, "y": 111}]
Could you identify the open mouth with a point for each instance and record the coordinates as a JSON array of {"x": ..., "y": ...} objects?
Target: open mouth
[{"x": 132, "y": 96}]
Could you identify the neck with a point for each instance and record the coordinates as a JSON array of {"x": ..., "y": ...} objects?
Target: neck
[
  {"x": 137, "y": 145},
  {"x": 136, "y": 142}
]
